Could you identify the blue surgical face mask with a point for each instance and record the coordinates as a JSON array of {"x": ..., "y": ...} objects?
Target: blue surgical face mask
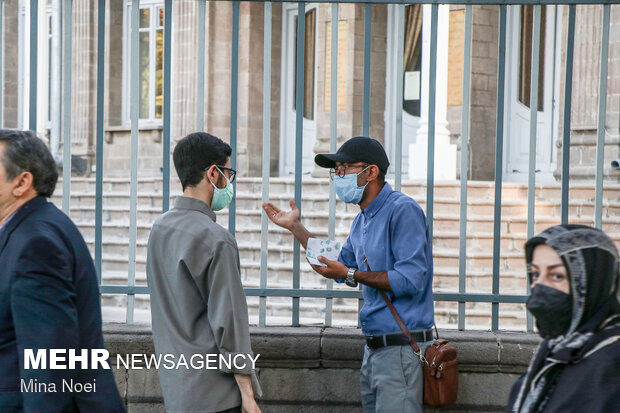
[
  {"x": 221, "y": 196},
  {"x": 347, "y": 189}
]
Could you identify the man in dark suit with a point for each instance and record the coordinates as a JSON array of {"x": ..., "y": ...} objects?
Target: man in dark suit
[{"x": 49, "y": 298}]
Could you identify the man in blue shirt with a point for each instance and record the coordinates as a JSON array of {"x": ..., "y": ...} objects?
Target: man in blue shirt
[{"x": 388, "y": 249}]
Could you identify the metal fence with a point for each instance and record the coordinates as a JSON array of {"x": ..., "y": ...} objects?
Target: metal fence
[{"x": 295, "y": 293}]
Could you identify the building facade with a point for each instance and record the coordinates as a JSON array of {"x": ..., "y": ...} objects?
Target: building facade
[{"x": 317, "y": 66}]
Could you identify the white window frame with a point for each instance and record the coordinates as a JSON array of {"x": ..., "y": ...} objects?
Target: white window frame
[
  {"x": 550, "y": 116},
  {"x": 154, "y": 6},
  {"x": 47, "y": 13},
  {"x": 287, "y": 85},
  {"x": 409, "y": 123}
]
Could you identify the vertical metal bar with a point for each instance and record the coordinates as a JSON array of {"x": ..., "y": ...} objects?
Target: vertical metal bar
[
  {"x": 1, "y": 63},
  {"x": 398, "y": 150},
  {"x": 602, "y": 110},
  {"x": 200, "y": 116},
  {"x": 167, "y": 107},
  {"x": 264, "y": 231},
  {"x": 99, "y": 134},
  {"x": 430, "y": 160},
  {"x": 34, "y": 34},
  {"x": 55, "y": 78},
  {"x": 234, "y": 94},
  {"x": 366, "y": 97},
  {"x": 367, "y": 53},
  {"x": 531, "y": 187},
  {"x": 299, "y": 128},
  {"x": 499, "y": 153},
  {"x": 134, "y": 92},
  {"x": 533, "y": 121},
  {"x": 333, "y": 123},
  {"x": 66, "y": 139},
  {"x": 464, "y": 163},
  {"x": 568, "y": 96}
]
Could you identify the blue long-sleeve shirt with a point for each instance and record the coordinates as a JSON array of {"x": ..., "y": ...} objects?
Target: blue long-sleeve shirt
[{"x": 393, "y": 233}]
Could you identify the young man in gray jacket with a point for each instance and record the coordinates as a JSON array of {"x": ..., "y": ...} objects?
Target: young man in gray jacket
[{"x": 198, "y": 306}]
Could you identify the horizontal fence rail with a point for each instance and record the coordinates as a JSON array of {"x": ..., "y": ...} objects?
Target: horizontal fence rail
[{"x": 461, "y": 297}]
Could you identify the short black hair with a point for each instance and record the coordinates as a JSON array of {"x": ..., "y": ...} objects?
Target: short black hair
[
  {"x": 195, "y": 153},
  {"x": 25, "y": 152}
]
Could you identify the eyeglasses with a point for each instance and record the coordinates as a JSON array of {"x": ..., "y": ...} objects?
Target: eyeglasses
[
  {"x": 231, "y": 172},
  {"x": 341, "y": 170}
]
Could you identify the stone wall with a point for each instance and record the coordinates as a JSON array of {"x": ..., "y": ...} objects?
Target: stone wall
[
  {"x": 483, "y": 106},
  {"x": 584, "y": 108},
  {"x": 311, "y": 369},
  {"x": 10, "y": 61},
  {"x": 84, "y": 80}
]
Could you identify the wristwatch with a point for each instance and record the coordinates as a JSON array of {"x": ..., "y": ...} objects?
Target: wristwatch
[{"x": 350, "y": 280}]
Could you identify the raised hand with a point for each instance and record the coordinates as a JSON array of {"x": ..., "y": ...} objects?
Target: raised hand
[{"x": 284, "y": 219}]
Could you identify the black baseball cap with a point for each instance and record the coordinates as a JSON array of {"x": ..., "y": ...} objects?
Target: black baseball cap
[{"x": 358, "y": 149}]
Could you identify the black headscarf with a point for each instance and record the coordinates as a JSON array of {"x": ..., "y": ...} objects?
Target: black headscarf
[{"x": 591, "y": 259}]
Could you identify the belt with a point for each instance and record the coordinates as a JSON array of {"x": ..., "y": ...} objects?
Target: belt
[{"x": 398, "y": 339}]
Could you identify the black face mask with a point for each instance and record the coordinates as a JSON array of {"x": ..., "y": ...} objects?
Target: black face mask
[{"x": 553, "y": 310}]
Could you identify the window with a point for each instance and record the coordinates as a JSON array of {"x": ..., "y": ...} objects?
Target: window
[
  {"x": 525, "y": 57},
  {"x": 412, "y": 59},
  {"x": 151, "y": 58},
  {"x": 309, "y": 62},
  {"x": 47, "y": 70}
]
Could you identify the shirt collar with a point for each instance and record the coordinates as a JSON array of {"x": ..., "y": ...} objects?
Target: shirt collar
[
  {"x": 185, "y": 202},
  {"x": 6, "y": 222},
  {"x": 378, "y": 202}
]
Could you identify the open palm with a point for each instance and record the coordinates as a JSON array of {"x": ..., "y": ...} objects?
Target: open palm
[{"x": 285, "y": 219}]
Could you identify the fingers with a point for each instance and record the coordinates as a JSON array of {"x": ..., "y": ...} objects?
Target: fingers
[
  {"x": 271, "y": 210},
  {"x": 293, "y": 204},
  {"x": 326, "y": 261},
  {"x": 317, "y": 268}
]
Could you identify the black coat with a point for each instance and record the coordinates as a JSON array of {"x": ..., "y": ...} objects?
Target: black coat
[
  {"x": 591, "y": 386},
  {"x": 49, "y": 298}
]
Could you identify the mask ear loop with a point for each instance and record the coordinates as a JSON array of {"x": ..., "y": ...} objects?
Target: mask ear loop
[
  {"x": 357, "y": 174},
  {"x": 221, "y": 173},
  {"x": 363, "y": 169}
]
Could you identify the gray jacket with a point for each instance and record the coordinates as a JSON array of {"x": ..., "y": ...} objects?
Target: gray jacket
[{"x": 197, "y": 306}]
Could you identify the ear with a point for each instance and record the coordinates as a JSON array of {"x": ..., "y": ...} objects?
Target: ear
[
  {"x": 23, "y": 183},
  {"x": 373, "y": 173},
  {"x": 212, "y": 174}
]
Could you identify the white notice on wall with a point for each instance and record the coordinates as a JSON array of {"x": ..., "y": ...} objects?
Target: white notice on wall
[
  {"x": 322, "y": 247},
  {"x": 412, "y": 85}
]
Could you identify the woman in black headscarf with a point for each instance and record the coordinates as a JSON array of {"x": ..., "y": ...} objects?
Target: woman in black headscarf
[{"x": 573, "y": 270}]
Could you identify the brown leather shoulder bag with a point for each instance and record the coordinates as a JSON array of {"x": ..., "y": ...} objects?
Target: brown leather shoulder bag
[{"x": 441, "y": 371}]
